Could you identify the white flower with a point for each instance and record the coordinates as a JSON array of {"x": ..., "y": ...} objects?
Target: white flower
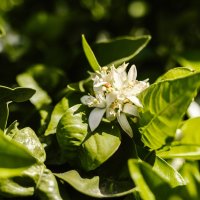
[{"x": 115, "y": 94}]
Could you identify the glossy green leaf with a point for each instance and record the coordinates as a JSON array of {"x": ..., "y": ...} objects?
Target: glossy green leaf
[
  {"x": 190, "y": 131},
  {"x": 90, "y": 55},
  {"x": 168, "y": 173},
  {"x": 14, "y": 156},
  {"x": 119, "y": 50},
  {"x": 150, "y": 184},
  {"x": 99, "y": 146},
  {"x": 41, "y": 97},
  {"x": 165, "y": 103},
  {"x": 47, "y": 187},
  {"x": 186, "y": 151},
  {"x": 29, "y": 139},
  {"x": 189, "y": 59},
  {"x": 72, "y": 128},
  {"x": 96, "y": 186},
  {"x": 36, "y": 180},
  {"x": 58, "y": 111}
]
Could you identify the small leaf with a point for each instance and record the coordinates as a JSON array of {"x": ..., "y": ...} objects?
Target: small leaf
[
  {"x": 90, "y": 55},
  {"x": 21, "y": 94},
  {"x": 150, "y": 184},
  {"x": 168, "y": 173},
  {"x": 47, "y": 187},
  {"x": 72, "y": 128},
  {"x": 119, "y": 50},
  {"x": 190, "y": 131},
  {"x": 14, "y": 156},
  {"x": 41, "y": 97},
  {"x": 99, "y": 146},
  {"x": 56, "y": 115},
  {"x": 27, "y": 138},
  {"x": 165, "y": 103},
  {"x": 187, "y": 151},
  {"x": 96, "y": 186}
]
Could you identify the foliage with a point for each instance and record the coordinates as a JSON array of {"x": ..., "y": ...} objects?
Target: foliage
[{"x": 51, "y": 152}]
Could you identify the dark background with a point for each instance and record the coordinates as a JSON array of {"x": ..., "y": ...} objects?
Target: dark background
[{"x": 49, "y": 32}]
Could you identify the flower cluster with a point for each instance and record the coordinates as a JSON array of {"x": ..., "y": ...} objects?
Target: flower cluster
[{"x": 115, "y": 94}]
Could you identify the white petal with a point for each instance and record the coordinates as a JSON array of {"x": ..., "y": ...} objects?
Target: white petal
[
  {"x": 125, "y": 124},
  {"x": 86, "y": 99},
  {"x": 95, "y": 117},
  {"x": 135, "y": 100},
  {"x": 130, "y": 109},
  {"x": 110, "y": 98},
  {"x": 132, "y": 74}
]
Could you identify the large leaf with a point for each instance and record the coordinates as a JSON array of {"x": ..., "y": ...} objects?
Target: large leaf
[
  {"x": 90, "y": 55},
  {"x": 168, "y": 173},
  {"x": 150, "y": 184},
  {"x": 72, "y": 128},
  {"x": 96, "y": 186},
  {"x": 187, "y": 151},
  {"x": 99, "y": 146},
  {"x": 190, "y": 131},
  {"x": 165, "y": 103},
  {"x": 36, "y": 180},
  {"x": 29, "y": 139},
  {"x": 14, "y": 157},
  {"x": 119, "y": 50}
]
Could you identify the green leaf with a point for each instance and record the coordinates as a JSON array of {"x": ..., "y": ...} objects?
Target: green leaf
[
  {"x": 14, "y": 156},
  {"x": 29, "y": 139},
  {"x": 36, "y": 180},
  {"x": 47, "y": 187},
  {"x": 190, "y": 131},
  {"x": 72, "y": 128},
  {"x": 90, "y": 55},
  {"x": 187, "y": 151},
  {"x": 119, "y": 50},
  {"x": 99, "y": 146},
  {"x": 165, "y": 103},
  {"x": 150, "y": 184},
  {"x": 189, "y": 59},
  {"x": 21, "y": 94},
  {"x": 96, "y": 186},
  {"x": 41, "y": 97},
  {"x": 168, "y": 173},
  {"x": 58, "y": 111}
]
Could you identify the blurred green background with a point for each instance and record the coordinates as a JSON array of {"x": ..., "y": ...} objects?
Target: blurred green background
[{"x": 49, "y": 33}]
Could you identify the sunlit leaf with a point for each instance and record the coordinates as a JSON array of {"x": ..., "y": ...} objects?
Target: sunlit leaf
[
  {"x": 96, "y": 186},
  {"x": 99, "y": 146},
  {"x": 72, "y": 128},
  {"x": 27, "y": 138},
  {"x": 190, "y": 131},
  {"x": 168, "y": 173},
  {"x": 90, "y": 55},
  {"x": 150, "y": 184},
  {"x": 41, "y": 97},
  {"x": 14, "y": 156},
  {"x": 165, "y": 103},
  {"x": 187, "y": 151}
]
